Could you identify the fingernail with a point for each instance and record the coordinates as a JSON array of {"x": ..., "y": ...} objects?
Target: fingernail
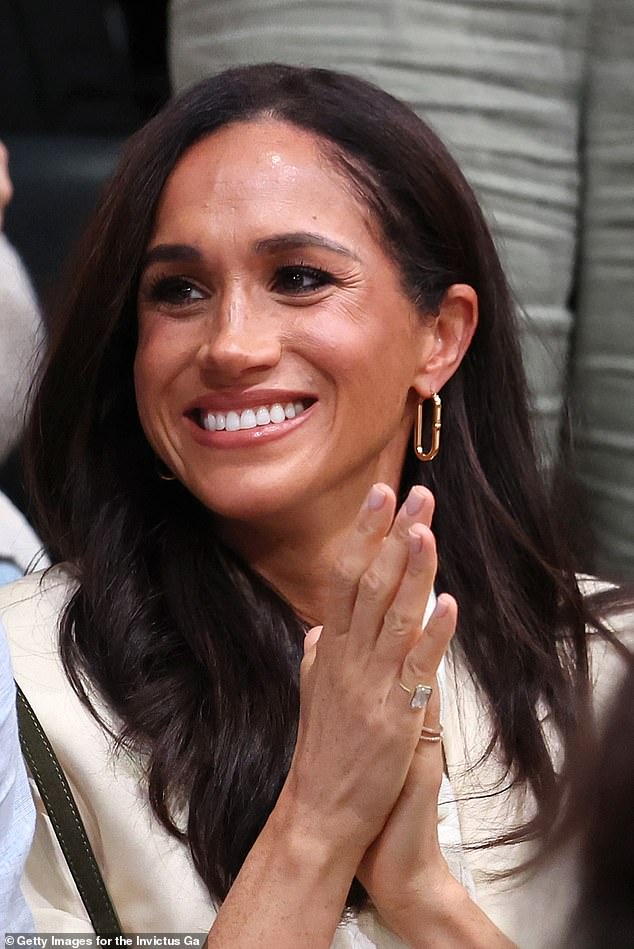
[
  {"x": 376, "y": 498},
  {"x": 415, "y": 540},
  {"x": 442, "y": 605},
  {"x": 414, "y": 502}
]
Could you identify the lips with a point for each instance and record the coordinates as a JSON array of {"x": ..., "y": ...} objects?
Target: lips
[
  {"x": 242, "y": 410},
  {"x": 256, "y": 417}
]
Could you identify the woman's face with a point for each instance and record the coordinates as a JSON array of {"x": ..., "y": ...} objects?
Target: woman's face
[{"x": 277, "y": 351}]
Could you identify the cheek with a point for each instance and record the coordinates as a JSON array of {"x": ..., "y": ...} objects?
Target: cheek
[
  {"x": 144, "y": 378},
  {"x": 154, "y": 368},
  {"x": 145, "y": 396},
  {"x": 163, "y": 350}
]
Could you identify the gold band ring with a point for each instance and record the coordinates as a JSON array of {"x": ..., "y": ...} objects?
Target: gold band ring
[
  {"x": 432, "y": 731},
  {"x": 419, "y": 695},
  {"x": 429, "y": 734}
]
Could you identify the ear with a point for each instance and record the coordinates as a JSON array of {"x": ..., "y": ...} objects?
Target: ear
[{"x": 453, "y": 330}]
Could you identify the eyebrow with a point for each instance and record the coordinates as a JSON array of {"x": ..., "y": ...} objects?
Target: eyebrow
[
  {"x": 166, "y": 253},
  {"x": 298, "y": 239}
]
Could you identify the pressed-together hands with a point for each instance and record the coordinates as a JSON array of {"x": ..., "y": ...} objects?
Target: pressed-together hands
[
  {"x": 361, "y": 796},
  {"x": 357, "y": 733},
  {"x": 381, "y": 805}
]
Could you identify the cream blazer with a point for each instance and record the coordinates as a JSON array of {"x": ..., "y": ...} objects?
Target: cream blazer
[{"x": 150, "y": 875}]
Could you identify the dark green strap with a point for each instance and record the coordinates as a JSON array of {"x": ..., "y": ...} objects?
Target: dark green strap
[{"x": 66, "y": 820}]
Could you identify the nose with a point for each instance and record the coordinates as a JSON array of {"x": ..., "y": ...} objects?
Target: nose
[{"x": 239, "y": 338}]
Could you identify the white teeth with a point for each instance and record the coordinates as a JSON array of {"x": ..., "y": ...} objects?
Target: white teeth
[
  {"x": 247, "y": 419},
  {"x": 233, "y": 422},
  {"x": 250, "y": 418}
]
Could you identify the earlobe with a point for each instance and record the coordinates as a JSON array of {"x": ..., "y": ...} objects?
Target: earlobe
[{"x": 455, "y": 326}]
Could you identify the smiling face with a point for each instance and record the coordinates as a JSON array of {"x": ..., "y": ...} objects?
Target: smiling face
[{"x": 277, "y": 350}]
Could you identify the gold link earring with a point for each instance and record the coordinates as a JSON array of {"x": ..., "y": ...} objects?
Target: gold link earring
[{"x": 421, "y": 454}]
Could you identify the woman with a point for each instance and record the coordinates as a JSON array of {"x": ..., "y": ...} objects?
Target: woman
[{"x": 286, "y": 265}]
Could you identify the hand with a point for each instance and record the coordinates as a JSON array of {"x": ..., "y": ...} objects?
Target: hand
[
  {"x": 405, "y": 860},
  {"x": 404, "y": 865},
  {"x": 6, "y": 188},
  {"x": 403, "y": 870},
  {"x": 357, "y": 734}
]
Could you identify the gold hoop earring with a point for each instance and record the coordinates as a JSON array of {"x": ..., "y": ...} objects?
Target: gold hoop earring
[
  {"x": 164, "y": 477},
  {"x": 420, "y": 452}
]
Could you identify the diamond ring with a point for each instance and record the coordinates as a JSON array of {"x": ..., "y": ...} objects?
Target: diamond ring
[{"x": 419, "y": 695}]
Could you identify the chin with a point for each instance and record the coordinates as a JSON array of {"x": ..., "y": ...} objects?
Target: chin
[{"x": 246, "y": 505}]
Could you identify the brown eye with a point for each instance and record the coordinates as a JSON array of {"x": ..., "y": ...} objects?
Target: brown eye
[
  {"x": 300, "y": 279},
  {"x": 175, "y": 291}
]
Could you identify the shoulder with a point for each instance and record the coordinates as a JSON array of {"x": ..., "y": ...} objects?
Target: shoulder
[
  {"x": 607, "y": 657},
  {"x": 30, "y": 607},
  {"x": 150, "y": 876},
  {"x": 30, "y": 611}
]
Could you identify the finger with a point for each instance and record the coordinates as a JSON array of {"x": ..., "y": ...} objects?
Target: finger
[
  {"x": 402, "y": 624},
  {"x": 424, "y": 778},
  {"x": 379, "y": 585},
  {"x": 429, "y": 746},
  {"x": 425, "y": 774},
  {"x": 312, "y": 638},
  {"x": 310, "y": 648},
  {"x": 370, "y": 527},
  {"x": 422, "y": 661}
]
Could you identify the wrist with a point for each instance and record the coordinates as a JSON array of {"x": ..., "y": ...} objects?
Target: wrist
[
  {"x": 290, "y": 891},
  {"x": 440, "y": 912},
  {"x": 310, "y": 844}
]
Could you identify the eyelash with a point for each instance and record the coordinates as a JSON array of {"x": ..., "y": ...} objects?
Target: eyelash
[
  {"x": 321, "y": 277},
  {"x": 164, "y": 289},
  {"x": 169, "y": 289}
]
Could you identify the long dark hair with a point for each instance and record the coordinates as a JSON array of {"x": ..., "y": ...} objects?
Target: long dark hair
[{"x": 195, "y": 653}]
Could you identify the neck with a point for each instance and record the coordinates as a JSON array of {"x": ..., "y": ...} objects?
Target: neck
[
  {"x": 296, "y": 550},
  {"x": 297, "y": 554}
]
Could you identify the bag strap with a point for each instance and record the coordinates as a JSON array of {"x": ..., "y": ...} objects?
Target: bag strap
[{"x": 66, "y": 820}]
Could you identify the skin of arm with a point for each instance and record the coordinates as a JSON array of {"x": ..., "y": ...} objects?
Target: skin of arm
[{"x": 290, "y": 891}]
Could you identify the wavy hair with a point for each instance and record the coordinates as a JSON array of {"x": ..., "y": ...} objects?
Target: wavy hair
[{"x": 195, "y": 653}]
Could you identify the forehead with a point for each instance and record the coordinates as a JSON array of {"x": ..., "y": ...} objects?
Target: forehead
[{"x": 263, "y": 168}]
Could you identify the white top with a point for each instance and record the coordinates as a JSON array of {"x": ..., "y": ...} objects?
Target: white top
[
  {"x": 17, "y": 814},
  {"x": 150, "y": 875}
]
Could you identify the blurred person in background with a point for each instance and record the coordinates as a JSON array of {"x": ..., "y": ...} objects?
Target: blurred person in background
[
  {"x": 599, "y": 825},
  {"x": 17, "y": 813},
  {"x": 19, "y": 327},
  {"x": 21, "y": 335},
  {"x": 603, "y": 817}
]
